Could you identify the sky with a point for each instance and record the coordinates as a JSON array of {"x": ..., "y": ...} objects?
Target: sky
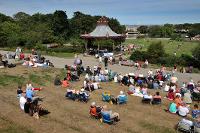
[{"x": 139, "y": 12}]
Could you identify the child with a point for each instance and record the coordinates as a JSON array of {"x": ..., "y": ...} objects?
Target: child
[{"x": 19, "y": 91}]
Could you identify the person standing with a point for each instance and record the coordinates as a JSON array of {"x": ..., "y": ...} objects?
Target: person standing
[
  {"x": 106, "y": 61},
  {"x": 100, "y": 59},
  {"x": 120, "y": 60}
]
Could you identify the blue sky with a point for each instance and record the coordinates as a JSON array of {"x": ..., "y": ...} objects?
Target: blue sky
[{"x": 126, "y": 11}]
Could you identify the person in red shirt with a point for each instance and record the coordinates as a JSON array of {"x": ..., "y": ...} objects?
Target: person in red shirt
[
  {"x": 170, "y": 95},
  {"x": 21, "y": 56},
  {"x": 65, "y": 83}
]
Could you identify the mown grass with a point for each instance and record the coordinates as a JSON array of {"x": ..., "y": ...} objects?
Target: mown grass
[
  {"x": 56, "y": 54},
  {"x": 10, "y": 79},
  {"x": 8, "y": 126},
  {"x": 169, "y": 45}
]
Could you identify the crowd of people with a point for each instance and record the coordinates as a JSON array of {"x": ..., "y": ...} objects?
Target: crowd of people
[
  {"x": 180, "y": 97},
  {"x": 32, "y": 60}
]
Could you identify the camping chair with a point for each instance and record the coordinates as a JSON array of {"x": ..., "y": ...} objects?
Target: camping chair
[
  {"x": 83, "y": 98},
  {"x": 70, "y": 95},
  {"x": 106, "y": 118},
  {"x": 146, "y": 100},
  {"x": 122, "y": 100},
  {"x": 185, "y": 126},
  {"x": 156, "y": 101}
]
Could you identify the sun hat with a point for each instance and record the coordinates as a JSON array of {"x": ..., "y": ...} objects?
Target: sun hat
[
  {"x": 82, "y": 90},
  {"x": 93, "y": 104},
  {"x": 121, "y": 92}
]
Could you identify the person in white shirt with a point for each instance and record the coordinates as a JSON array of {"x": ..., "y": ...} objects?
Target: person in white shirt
[
  {"x": 96, "y": 85},
  {"x": 106, "y": 71},
  {"x": 100, "y": 60},
  {"x": 22, "y": 101},
  {"x": 183, "y": 110},
  {"x": 166, "y": 89},
  {"x": 150, "y": 72},
  {"x": 121, "y": 94}
]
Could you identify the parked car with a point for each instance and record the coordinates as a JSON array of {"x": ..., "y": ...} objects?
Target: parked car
[{"x": 103, "y": 53}]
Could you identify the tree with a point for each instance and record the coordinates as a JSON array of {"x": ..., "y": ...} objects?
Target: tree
[
  {"x": 143, "y": 29},
  {"x": 60, "y": 24},
  {"x": 82, "y": 23},
  {"x": 20, "y": 16},
  {"x": 155, "y": 31},
  {"x": 115, "y": 26},
  {"x": 4, "y": 18},
  {"x": 155, "y": 51},
  {"x": 10, "y": 34}
]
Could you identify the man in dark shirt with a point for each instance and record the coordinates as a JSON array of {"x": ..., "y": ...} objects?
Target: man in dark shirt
[{"x": 106, "y": 61}]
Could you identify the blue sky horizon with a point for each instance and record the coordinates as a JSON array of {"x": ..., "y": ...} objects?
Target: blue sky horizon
[{"x": 128, "y": 12}]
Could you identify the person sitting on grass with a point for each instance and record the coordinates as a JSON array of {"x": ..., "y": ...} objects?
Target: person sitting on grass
[
  {"x": 96, "y": 85},
  {"x": 22, "y": 101},
  {"x": 172, "y": 108},
  {"x": 131, "y": 89},
  {"x": 113, "y": 115},
  {"x": 65, "y": 83},
  {"x": 121, "y": 94},
  {"x": 156, "y": 98},
  {"x": 178, "y": 101},
  {"x": 170, "y": 95},
  {"x": 71, "y": 94},
  {"x": 195, "y": 111},
  {"x": 183, "y": 110},
  {"x": 57, "y": 81},
  {"x": 95, "y": 110},
  {"x": 29, "y": 93},
  {"x": 69, "y": 75},
  {"x": 187, "y": 97},
  {"x": 83, "y": 95}
]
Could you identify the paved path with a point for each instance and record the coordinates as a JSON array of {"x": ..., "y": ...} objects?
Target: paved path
[{"x": 91, "y": 61}]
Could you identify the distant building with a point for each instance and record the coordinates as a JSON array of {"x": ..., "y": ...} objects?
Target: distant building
[
  {"x": 131, "y": 31},
  {"x": 132, "y": 28}
]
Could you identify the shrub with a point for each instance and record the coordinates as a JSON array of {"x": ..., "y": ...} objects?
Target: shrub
[
  {"x": 138, "y": 55},
  {"x": 155, "y": 51},
  {"x": 167, "y": 60}
]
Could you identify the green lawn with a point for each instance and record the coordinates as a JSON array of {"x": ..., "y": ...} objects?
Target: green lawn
[
  {"x": 170, "y": 46},
  {"x": 57, "y": 54}
]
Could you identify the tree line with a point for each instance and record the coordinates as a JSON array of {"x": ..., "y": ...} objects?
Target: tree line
[
  {"x": 171, "y": 31},
  {"x": 29, "y": 30}
]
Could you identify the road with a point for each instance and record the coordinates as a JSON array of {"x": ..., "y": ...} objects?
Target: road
[{"x": 91, "y": 61}]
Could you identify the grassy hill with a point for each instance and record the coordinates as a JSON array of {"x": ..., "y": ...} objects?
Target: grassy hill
[
  {"x": 69, "y": 116},
  {"x": 169, "y": 45}
]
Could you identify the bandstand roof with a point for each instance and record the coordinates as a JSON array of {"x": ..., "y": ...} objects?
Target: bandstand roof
[{"x": 102, "y": 30}]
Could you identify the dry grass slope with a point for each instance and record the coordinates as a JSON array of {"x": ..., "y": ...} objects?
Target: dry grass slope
[{"x": 69, "y": 116}]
